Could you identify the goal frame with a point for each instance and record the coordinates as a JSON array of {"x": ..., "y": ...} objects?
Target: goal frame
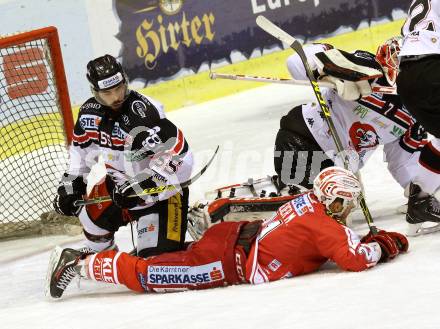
[
  {"x": 49, "y": 222},
  {"x": 51, "y": 34}
]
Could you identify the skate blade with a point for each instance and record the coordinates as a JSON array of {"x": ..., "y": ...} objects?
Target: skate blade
[
  {"x": 418, "y": 229},
  {"x": 53, "y": 261},
  {"x": 403, "y": 209}
]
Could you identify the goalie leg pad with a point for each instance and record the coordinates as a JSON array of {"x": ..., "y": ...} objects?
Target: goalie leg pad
[
  {"x": 204, "y": 214},
  {"x": 219, "y": 208}
]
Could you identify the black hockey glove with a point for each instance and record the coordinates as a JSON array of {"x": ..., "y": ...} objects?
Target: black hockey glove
[
  {"x": 416, "y": 132},
  {"x": 71, "y": 189},
  {"x": 123, "y": 195}
]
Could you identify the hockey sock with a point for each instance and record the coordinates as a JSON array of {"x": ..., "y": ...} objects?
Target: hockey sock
[{"x": 82, "y": 268}]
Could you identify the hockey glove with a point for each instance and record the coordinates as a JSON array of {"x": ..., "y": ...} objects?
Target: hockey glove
[
  {"x": 349, "y": 90},
  {"x": 199, "y": 219},
  {"x": 386, "y": 242},
  {"x": 124, "y": 194},
  {"x": 358, "y": 66},
  {"x": 415, "y": 134},
  {"x": 400, "y": 240},
  {"x": 70, "y": 189},
  {"x": 350, "y": 73}
]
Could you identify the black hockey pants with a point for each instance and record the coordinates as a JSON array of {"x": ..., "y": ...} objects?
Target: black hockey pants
[
  {"x": 295, "y": 157},
  {"x": 418, "y": 84}
]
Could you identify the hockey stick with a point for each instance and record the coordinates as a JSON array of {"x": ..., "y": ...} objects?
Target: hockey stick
[
  {"x": 153, "y": 190},
  {"x": 281, "y": 35},
  {"x": 325, "y": 84}
]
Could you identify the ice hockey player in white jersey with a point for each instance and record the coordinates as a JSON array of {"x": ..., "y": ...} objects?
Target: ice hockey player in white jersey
[
  {"x": 418, "y": 85},
  {"x": 140, "y": 148},
  {"x": 362, "y": 119}
]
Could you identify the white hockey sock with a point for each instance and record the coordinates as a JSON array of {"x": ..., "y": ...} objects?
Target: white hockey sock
[{"x": 82, "y": 268}]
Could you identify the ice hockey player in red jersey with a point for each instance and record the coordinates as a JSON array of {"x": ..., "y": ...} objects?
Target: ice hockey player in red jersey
[
  {"x": 302, "y": 235},
  {"x": 363, "y": 120},
  {"x": 140, "y": 148},
  {"x": 418, "y": 84}
]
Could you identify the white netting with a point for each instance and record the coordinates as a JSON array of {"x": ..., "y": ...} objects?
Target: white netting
[{"x": 32, "y": 142}]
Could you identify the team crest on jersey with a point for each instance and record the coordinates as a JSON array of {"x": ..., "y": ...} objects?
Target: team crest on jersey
[
  {"x": 139, "y": 108},
  {"x": 178, "y": 275},
  {"x": 153, "y": 138},
  {"x": 363, "y": 136}
]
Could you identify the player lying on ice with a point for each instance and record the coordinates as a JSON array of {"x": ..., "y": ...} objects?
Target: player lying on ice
[
  {"x": 302, "y": 235},
  {"x": 363, "y": 121}
]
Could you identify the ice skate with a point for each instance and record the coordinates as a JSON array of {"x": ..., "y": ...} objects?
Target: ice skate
[
  {"x": 62, "y": 270},
  {"x": 423, "y": 214}
]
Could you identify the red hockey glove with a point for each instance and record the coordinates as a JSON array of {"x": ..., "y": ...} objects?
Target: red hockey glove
[
  {"x": 386, "y": 242},
  {"x": 400, "y": 240}
]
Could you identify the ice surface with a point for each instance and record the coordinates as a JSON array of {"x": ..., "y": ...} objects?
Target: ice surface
[{"x": 403, "y": 293}]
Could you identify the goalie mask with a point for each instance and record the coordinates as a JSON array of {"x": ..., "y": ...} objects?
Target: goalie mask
[
  {"x": 337, "y": 183},
  {"x": 387, "y": 56},
  {"x": 104, "y": 74}
]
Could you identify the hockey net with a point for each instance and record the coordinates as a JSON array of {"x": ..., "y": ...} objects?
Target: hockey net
[{"x": 35, "y": 114}]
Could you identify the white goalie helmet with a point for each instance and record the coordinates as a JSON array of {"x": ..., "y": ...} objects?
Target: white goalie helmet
[{"x": 335, "y": 182}]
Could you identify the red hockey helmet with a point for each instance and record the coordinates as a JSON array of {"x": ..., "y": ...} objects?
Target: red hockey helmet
[
  {"x": 335, "y": 182},
  {"x": 387, "y": 56}
]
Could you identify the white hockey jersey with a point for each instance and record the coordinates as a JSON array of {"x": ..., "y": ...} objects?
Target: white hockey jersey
[
  {"x": 421, "y": 29},
  {"x": 138, "y": 137},
  {"x": 377, "y": 119}
]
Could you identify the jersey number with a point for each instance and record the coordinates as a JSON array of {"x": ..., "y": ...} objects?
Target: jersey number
[
  {"x": 426, "y": 8},
  {"x": 166, "y": 162},
  {"x": 106, "y": 139}
]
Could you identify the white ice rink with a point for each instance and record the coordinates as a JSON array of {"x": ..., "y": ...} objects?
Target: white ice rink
[{"x": 404, "y": 293}]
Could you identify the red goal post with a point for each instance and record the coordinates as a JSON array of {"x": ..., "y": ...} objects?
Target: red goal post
[
  {"x": 51, "y": 35},
  {"x": 36, "y": 125}
]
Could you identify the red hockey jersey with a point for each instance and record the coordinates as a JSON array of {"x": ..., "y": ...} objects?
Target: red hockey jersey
[{"x": 299, "y": 238}]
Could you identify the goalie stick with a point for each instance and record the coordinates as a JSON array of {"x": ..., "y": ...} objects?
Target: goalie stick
[
  {"x": 326, "y": 84},
  {"x": 281, "y": 35},
  {"x": 153, "y": 190}
]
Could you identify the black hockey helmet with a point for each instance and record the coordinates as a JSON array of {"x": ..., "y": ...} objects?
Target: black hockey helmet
[{"x": 105, "y": 72}]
